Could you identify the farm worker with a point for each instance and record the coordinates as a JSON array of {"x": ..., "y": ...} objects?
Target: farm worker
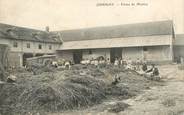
[
  {"x": 181, "y": 60},
  {"x": 96, "y": 62},
  {"x": 55, "y": 64},
  {"x": 124, "y": 62},
  {"x": 108, "y": 61},
  {"x": 83, "y": 62},
  {"x": 138, "y": 62},
  {"x": 67, "y": 65},
  {"x": 121, "y": 61},
  {"x": 153, "y": 71},
  {"x": 11, "y": 78},
  {"x": 129, "y": 64},
  {"x": 144, "y": 67},
  {"x": 116, "y": 62},
  {"x": 92, "y": 62},
  {"x": 87, "y": 61},
  {"x": 116, "y": 79}
]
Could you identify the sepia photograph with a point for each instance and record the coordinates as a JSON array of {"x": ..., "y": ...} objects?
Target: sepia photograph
[{"x": 91, "y": 57}]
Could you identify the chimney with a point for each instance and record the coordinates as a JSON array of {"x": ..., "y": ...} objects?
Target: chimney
[{"x": 47, "y": 29}]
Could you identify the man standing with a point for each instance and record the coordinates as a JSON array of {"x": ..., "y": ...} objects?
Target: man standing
[
  {"x": 138, "y": 63},
  {"x": 129, "y": 64}
]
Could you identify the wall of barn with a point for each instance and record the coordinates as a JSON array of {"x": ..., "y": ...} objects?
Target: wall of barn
[
  {"x": 150, "y": 53},
  {"x": 159, "y": 53},
  {"x": 94, "y": 53},
  {"x": 133, "y": 53},
  {"x": 178, "y": 52}
]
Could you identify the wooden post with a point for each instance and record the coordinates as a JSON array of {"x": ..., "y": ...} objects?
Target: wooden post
[{"x": 4, "y": 61}]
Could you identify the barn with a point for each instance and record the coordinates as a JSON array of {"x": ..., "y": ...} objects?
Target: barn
[
  {"x": 151, "y": 41},
  {"x": 179, "y": 48}
]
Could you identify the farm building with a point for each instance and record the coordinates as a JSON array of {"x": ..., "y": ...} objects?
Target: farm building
[
  {"x": 24, "y": 43},
  {"x": 179, "y": 47},
  {"x": 152, "y": 41}
]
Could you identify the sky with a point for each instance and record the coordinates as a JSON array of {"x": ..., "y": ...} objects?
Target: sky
[{"x": 74, "y": 14}]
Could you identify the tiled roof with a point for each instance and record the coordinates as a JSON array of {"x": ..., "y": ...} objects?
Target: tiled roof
[
  {"x": 119, "y": 31},
  {"x": 21, "y": 33}
]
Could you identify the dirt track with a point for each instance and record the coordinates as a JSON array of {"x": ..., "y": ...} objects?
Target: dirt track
[{"x": 166, "y": 100}]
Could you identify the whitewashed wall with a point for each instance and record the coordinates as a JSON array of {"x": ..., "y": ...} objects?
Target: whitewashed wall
[
  {"x": 22, "y": 47},
  {"x": 132, "y": 53},
  {"x": 153, "y": 53},
  {"x": 16, "y": 53},
  {"x": 159, "y": 53},
  {"x": 4, "y": 41},
  {"x": 179, "y": 51},
  {"x": 15, "y": 59}
]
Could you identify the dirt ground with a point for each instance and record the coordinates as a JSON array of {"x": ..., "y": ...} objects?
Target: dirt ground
[{"x": 158, "y": 100}]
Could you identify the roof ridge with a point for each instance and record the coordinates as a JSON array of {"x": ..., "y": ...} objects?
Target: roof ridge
[
  {"x": 126, "y": 30},
  {"x": 161, "y": 21},
  {"x": 21, "y": 27}
]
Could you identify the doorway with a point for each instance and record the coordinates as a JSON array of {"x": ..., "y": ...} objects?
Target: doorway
[
  {"x": 115, "y": 53},
  {"x": 77, "y": 56},
  {"x": 25, "y": 56}
]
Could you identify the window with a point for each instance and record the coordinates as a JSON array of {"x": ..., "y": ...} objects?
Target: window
[
  {"x": 15, "y": 44},
  {"x": 145, "y": 49},
  {"x": 28, "y": 45},
  {"x": 50, "y": 47},
  {"x": 39, "y": 46}
]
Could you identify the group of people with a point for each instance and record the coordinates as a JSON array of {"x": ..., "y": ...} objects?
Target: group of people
[
  {"x": 128, "y": 63},
  {"x": 153, "y": 72},
  {"x": 96, "y": 62},
  {"x": 141, "y": 67},
  {"x": 138, "y": 65},
  {"x": 63, "y": 63}
]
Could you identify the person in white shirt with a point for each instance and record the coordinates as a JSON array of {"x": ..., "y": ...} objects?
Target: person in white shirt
[
  {"x": 129, "y": 64},
  {"x": 67, "y": 65},
  {"x": 116, "y": 62},
  {"x": 108, "y": 61}
]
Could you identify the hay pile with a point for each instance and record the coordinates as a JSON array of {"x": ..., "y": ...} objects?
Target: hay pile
[
  {"x": 55, "y": 90},
  {"x": 49, "y": 93},
  {"x": 59, "y": 96}
]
